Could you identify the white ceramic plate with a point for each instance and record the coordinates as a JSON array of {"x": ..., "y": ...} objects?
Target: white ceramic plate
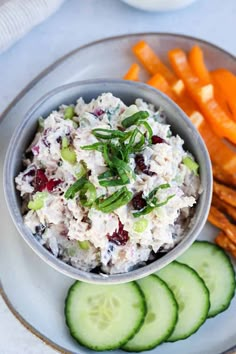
[{"x": 36, "y": 292}]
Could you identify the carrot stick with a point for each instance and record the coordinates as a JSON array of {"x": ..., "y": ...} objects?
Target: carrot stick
[
  {"x": 222, "y": 125},
  {"x": 221, "y": 98},
  {"x": 133, "y": 73},
  {"x": 160, "y": 83},
  {"x": 196, "y": 61},
  {"x": 226, "y": 81},
  {"x": 220, "y": 153},
  {"x": 151, "y": 62}
]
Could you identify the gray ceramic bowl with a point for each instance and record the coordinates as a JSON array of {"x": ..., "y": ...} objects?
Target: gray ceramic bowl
[{"x": 128, "y": 92}]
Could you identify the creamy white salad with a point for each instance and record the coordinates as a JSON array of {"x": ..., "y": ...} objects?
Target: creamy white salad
[{"x": 107, "y": 188}]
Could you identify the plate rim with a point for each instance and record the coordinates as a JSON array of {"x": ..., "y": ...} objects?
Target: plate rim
[{"x": 25, "y": 90}]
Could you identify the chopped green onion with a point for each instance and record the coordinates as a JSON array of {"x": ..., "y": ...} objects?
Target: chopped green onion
[
  {"x": 130, "y": 110},
  {"x": 68, "y": 154},
  {"x": 106, "y": 156},
  {"x": 149, "y": 129},
  {"x": 139, "y": 145},
  {"x": 106, "y": 174},
  {"x": 87, "y": 194},
  {"x": 80, "y": 169},
  {"x": 111, "y": 198},
  {"x": 140, "y": 225},
  {"x": 75, "y": 187},
  {"x": 69, "y": 112},
  {"x": 158, "y": 205},
  {"x": 114, "y": 201},
  {"x": 84, "y": 245},
  {"x": 113, "y": 182},
  {"x": 125, "y": 199},
  {"x": 38, "y": 201},
  {"x": 65, "y": 142},
  {"x": 191, "y": 165},
  {"x": 148, "y": 209},
  {"x": 127, "y": 122},
  {"x": 108, "y": 133},
  {"x": 95, "y": 146},
  {"x": 153, "y": 192}
]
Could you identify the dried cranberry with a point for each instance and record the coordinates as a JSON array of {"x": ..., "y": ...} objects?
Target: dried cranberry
[
  {"x": 52, "y": 184},
  {"x": 157, "y": 139},
  {"x": 138, "y": 201},
  {"x": 120, "y": 237},
  {"x": 35, "y": 150},
  {"x": 40, "y": 181},
  {"x": 139, "y": 160},
  {"x": 98, "y": 112}
]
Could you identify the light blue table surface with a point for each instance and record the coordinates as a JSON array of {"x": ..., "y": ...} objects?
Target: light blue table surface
[{"x": 79, "y": 22}]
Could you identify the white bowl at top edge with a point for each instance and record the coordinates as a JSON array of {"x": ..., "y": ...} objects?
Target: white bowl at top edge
[{"x": 159, "y": 5}]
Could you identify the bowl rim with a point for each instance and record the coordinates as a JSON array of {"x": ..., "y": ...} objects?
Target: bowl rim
[{"x": 69, "y": 270}]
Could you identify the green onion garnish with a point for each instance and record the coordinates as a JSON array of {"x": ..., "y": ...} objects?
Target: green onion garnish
[
  {"x": 69, "y": 112},
  {"x": 191, "y": 164},
  {"x": 114, "y": 201},
  {"x": 108, "y": 133},
  {"x": 148, "y": 209},
  {"x": 153, "y": 192},
  {"x": 106, "y": 174},
  {"x": 87, "y": 194},
  {"x": 113, "y": 182},
  {"x": 80, "y": 169},
  {"x": 95, "y": 146},
  {"x": 127, "y": 122},
  {"x": 75, "y": 187},
  {"x": 148, "y": 128}
]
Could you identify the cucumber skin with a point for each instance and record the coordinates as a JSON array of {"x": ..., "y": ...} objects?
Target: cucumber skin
[
  {"x": 163, "y": 339},
  {"x": 86, "y": 345},
  {"x": 224, "y": 308},
  {"x": 207, "y": 308}
]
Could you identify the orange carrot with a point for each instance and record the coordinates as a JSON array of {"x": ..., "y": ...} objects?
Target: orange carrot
[
  {"x": 221, "y": 98},
  {"x": 226, "y": 81},
  {"x": 196, "y": 61},
  {"x": 220, "y": 122},
  {"x": 151, "y": 62},
  {"x": 132, "y": 73},
  {"x": 220, "y": 153},
  {"x": 159, "y": 82}
]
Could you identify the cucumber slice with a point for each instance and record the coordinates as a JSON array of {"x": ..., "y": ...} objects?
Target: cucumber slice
[
  {"x": 215, "y": 268},
  {"x": 161, "y": 318},
  {"x": 104, "y": 317},
  {"x": 191, "y": 295}
]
